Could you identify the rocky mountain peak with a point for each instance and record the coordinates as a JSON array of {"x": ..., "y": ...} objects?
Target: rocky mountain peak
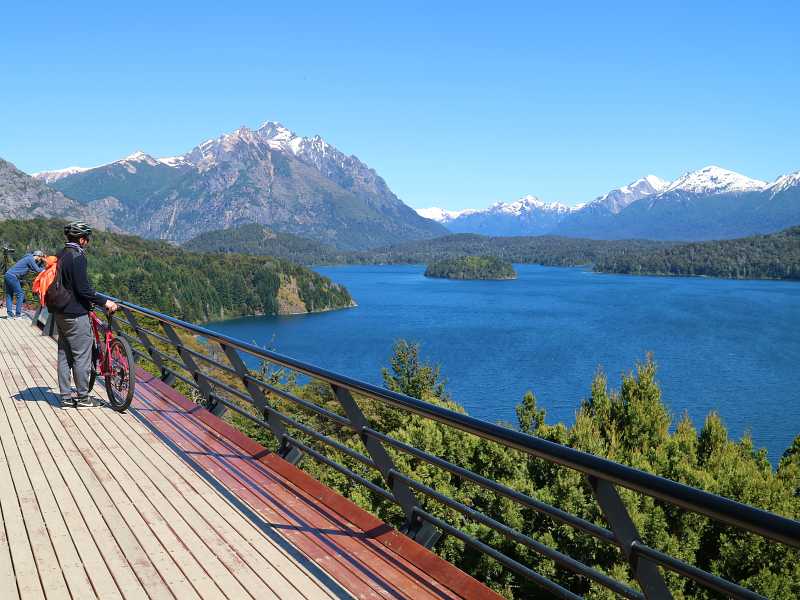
[{"x": 273, "y": 130}]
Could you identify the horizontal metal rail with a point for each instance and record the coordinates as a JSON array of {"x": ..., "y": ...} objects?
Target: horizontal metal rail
[{"x": 601, "y": 474}]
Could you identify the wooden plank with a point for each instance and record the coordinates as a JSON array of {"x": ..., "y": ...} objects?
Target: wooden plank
[
  {"x": 67, "y": 553},
  {"x": 37, "y": 565},
  {"x": 273, "y": 574},
  {"x": 425, "y": 564},
  {"x": 8, "y": 580}
]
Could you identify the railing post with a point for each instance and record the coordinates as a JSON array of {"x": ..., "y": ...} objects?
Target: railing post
[
  {"x": 166, "y": 376},
  {"x": 188, "y": 363},
  {"x": 645, "y": 571},
  {"x": 285, "y": 450},
  {"x": 417, "y": 529}
]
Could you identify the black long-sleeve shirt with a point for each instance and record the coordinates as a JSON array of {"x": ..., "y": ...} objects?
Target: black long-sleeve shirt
[{"x": 72, "y": 262}]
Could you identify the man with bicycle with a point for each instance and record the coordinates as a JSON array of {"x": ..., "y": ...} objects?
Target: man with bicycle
[
  {"x": 12, "y": 281},
  {"x": 72, "y": 320}
]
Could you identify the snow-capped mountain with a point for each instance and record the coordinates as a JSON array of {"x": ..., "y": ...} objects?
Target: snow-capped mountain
[
  {"x": 709, "y": 203},
  {"x": 270, "y": 176},
  {"x": 715, "y": 180},
  {"x": 532, "y": 216},
  {"x": 527, "y": 216},
  {"x": 617, "y": 199}
]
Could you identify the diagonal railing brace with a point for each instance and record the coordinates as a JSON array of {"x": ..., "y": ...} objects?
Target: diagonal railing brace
[
  {"x": 206, "y": 391},
  {"x": 286, "y": 450},
  {"x": 646, "y": 571},
  {"x": 415, "y": 527}
]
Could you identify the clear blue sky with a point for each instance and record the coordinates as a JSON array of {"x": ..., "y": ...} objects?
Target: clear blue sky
[{"x": 454, "y": 104}]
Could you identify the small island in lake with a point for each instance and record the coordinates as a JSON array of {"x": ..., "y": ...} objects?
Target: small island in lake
[{"x": 471, "y": 267}]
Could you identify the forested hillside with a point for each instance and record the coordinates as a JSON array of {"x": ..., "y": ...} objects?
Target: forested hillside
[
  {"x": 774, "y": 256},
  {"x": 259, "y": 240},
  {"x": 192, "y": 286},
  {"x": 544, "y": 250}
]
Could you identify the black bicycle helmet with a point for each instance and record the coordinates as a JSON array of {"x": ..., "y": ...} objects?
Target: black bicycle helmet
[{"x": 77, "y": 229}]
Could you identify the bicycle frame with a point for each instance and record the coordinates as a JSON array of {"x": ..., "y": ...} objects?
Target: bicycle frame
[{"x": 103, "y": 343}]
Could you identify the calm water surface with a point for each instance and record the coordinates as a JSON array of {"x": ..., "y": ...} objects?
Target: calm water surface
[{"x": 729, "y": 346}]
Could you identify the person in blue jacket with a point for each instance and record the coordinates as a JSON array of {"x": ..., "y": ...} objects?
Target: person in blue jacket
[{"x": 30, "y": 263}]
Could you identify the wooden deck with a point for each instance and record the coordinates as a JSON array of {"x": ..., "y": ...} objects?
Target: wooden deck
[{"x": 167, "y": 501}]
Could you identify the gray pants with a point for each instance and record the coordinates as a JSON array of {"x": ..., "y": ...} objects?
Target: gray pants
[{"x": 74, "y": 353}]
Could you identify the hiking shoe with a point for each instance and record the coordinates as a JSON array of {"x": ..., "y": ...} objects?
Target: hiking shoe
[{"x": 82, "y": 402}]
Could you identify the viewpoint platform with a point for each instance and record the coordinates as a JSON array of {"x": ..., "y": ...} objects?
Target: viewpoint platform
[{"x": 168, "y": 501}]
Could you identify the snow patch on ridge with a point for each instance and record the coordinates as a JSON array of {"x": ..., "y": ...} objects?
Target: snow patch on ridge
[
  {"x": 441, "y": 215},
  {"x": 55, "y": 175}
]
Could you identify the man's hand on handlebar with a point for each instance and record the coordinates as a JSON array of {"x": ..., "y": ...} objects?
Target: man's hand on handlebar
[{"x": 111, "y": 307}]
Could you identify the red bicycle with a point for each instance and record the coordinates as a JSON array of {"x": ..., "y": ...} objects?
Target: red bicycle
[{"x": 112, "y": 358}]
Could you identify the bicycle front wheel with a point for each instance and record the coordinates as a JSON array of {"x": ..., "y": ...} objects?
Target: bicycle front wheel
[{"x": 119, "y": 383}]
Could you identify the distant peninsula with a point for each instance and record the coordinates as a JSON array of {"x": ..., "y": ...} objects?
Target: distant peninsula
[{"x": 471, "y": 267}]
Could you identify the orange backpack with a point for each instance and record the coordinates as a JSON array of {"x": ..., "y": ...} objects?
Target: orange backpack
[{"x": 45, "y": 278}]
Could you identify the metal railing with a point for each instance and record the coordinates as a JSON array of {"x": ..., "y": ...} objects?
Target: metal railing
[{"x": 195, "y": 369}]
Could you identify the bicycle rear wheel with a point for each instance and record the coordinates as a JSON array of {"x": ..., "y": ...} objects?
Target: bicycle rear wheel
[{"x": 119, "y": 384}]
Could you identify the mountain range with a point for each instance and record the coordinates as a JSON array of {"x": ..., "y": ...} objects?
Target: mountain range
[
  {"x": 270, "y": 176},
  {"x": 304, "y": 186},
  {"x": 710, "y": 203}
]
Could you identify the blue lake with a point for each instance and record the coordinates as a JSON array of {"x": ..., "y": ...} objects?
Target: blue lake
[{"x": 729, "y": 346}]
